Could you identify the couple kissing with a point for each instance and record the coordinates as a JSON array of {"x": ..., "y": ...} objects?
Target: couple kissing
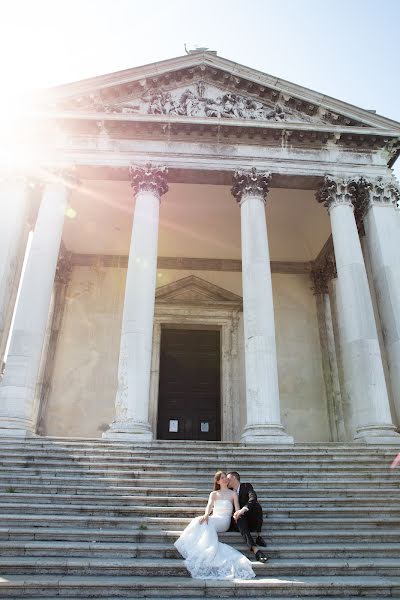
[{"x": 231, "y": 506}]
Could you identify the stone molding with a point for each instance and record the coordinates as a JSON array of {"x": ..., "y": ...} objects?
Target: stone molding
[
  {"x": 250, "y": 183},
  {"x": 187, "y": 264},
  {"x": 197, "y": 291},
  {"x": 149, "y": 178},
  {"x": 227, "y": 320}
]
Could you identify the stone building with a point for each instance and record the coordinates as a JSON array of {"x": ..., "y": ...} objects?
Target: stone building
[{"x": 214, "y": 256}]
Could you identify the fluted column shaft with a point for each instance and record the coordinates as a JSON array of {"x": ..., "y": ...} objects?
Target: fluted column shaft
[
  {"x": 382, "y": 231},
  {"x": 17, "y": 389},
  {"x": 132, "y": 399},
  {"x": 363, "y": 368},
  {"x": 262, "y": 389},
  {"x": 14, "y": 203}
]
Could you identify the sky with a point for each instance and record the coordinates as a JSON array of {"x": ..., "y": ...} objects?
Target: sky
[{"x": 345, "y": 49}]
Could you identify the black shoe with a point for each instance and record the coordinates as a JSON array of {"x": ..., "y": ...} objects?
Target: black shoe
[
  {"x": 260, "y": 541},
  {"x": 260, "y": 556}
]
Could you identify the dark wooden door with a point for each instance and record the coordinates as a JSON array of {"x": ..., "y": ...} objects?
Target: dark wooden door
[{"x": 189, "y": 406}]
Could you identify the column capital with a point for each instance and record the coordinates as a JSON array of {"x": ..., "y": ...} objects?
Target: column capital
[
  {"x": 149, "y": 178},
  {"x": 335, "y": 191},
  {"x": 64, "y": 175},
  {"x": 64, "y": 267},
  {"x": 377, "y": 191},
  {"x": 250, "y": 183},
  {"x": 322, "y": 275},
  {"x": 14, "y": 178}
]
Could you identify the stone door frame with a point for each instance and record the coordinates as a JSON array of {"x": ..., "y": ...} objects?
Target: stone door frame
[{"x": 225, "y": 319}]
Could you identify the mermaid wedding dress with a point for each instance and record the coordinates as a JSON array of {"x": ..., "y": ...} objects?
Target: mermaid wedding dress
[{"x": 206, "y": 557}]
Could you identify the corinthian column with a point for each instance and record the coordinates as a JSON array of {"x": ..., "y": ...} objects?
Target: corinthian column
[
  {"x": 14, "y": 200},
  {"x": 131, "y": 420},
  {"x": 377, "y": 205},
  {"x": 262, "y": 391},
  {"x": 17, "y": 389},
  {"x": 363, "y": 369}
]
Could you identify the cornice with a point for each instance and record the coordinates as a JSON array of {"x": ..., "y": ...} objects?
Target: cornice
[
  {"x": 105, "y": 117},
  {"x": 284, "y": 134},
  {"x": 222, "y": 69}
]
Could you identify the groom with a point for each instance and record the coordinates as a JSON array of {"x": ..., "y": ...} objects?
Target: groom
[{"x": 249, "y": 517}]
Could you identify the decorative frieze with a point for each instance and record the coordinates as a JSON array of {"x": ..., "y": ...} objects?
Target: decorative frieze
[
  {"x": 250, "y": 183},
  {"x": 149, "y": 178},
  {"x": 202, "y": 100}
]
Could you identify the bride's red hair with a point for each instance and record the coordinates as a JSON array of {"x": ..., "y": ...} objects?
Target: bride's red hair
[{"x": 217, "y": 477}]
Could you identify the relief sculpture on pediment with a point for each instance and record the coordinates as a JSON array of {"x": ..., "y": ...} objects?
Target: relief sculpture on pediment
[{"x": 200, "y": 100}]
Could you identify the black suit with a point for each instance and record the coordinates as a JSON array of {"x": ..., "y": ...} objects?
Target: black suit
[{"x": 252, "y": 519}]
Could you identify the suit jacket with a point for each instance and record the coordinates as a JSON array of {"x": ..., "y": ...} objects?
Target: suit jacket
[{"x": 247, "y": 496}]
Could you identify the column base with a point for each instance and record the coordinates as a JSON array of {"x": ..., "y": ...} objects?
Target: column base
[
  {"x": 131, "y": 431},
  {"x": 266, "y": 434},
  {"x": 377, "y": 434},
  {"x": 13, "y": 427}
]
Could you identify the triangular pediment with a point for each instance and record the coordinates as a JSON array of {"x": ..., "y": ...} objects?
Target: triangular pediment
[
  {"x": 203, "y": 85},
  {"x": 197, "y": 291}
]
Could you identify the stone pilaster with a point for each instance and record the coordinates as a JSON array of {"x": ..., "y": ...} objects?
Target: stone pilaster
[
  {"x": 17, "y": 389},
  {"x": 131, "y": 420},
  {"x": 377, "y": 200},
  {"x": 61, "y": 281},
  {"x": 263, "y": 423},
  {"x": 362, "y": 361},
  {"x": 14, "y": 230},
  {"x": 321, "y": 277}
]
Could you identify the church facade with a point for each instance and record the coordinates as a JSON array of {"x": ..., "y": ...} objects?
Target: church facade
[{"x": 201, "y": 252}]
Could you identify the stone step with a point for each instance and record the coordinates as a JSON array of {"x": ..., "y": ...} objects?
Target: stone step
[
  {"x": 11, "y": 504},
  {"x": 255, "y": 468},
  {"x": 209, "y": 597},
  {"x": 145, "y": 481},
  {"x": 351, "y": 522},
  {"x": 174, "y": 567},
  {"x": 296, "y": 536},
  {"x": 24, "y": 485},
  {"x": 163, "y": 481},
  {"x": 114, "y": 512},
  {"x": 182, "y": 458},
  {"x": 196, "y": 502},
  {"x": 154, "y": 445},
  {"x": 158, "y": 550},
  {"x": 170, "y": 587}
]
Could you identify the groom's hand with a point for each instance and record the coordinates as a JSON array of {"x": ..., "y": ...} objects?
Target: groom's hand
[{"x": 239, "y": 513}]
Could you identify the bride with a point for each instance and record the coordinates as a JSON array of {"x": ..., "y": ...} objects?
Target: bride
[{"x": 206, "y": 557}]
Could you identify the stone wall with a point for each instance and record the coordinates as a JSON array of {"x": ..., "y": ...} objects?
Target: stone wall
[{"x": 81, "y": 401}]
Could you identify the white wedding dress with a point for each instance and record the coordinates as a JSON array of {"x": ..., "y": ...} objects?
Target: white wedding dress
[{"x": 206, "y": 557}]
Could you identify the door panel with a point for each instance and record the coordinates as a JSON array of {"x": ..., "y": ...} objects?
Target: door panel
[{"x": 189, "y": 405}]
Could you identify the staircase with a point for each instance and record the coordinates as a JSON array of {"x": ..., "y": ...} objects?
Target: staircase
[{"x": 94, "y": 519}]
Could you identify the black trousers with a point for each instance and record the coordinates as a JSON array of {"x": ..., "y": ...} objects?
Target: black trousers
[{"x": 251, "y": 520}]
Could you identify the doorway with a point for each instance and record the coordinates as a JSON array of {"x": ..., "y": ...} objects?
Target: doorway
[{"x": 189, "y": 398}]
